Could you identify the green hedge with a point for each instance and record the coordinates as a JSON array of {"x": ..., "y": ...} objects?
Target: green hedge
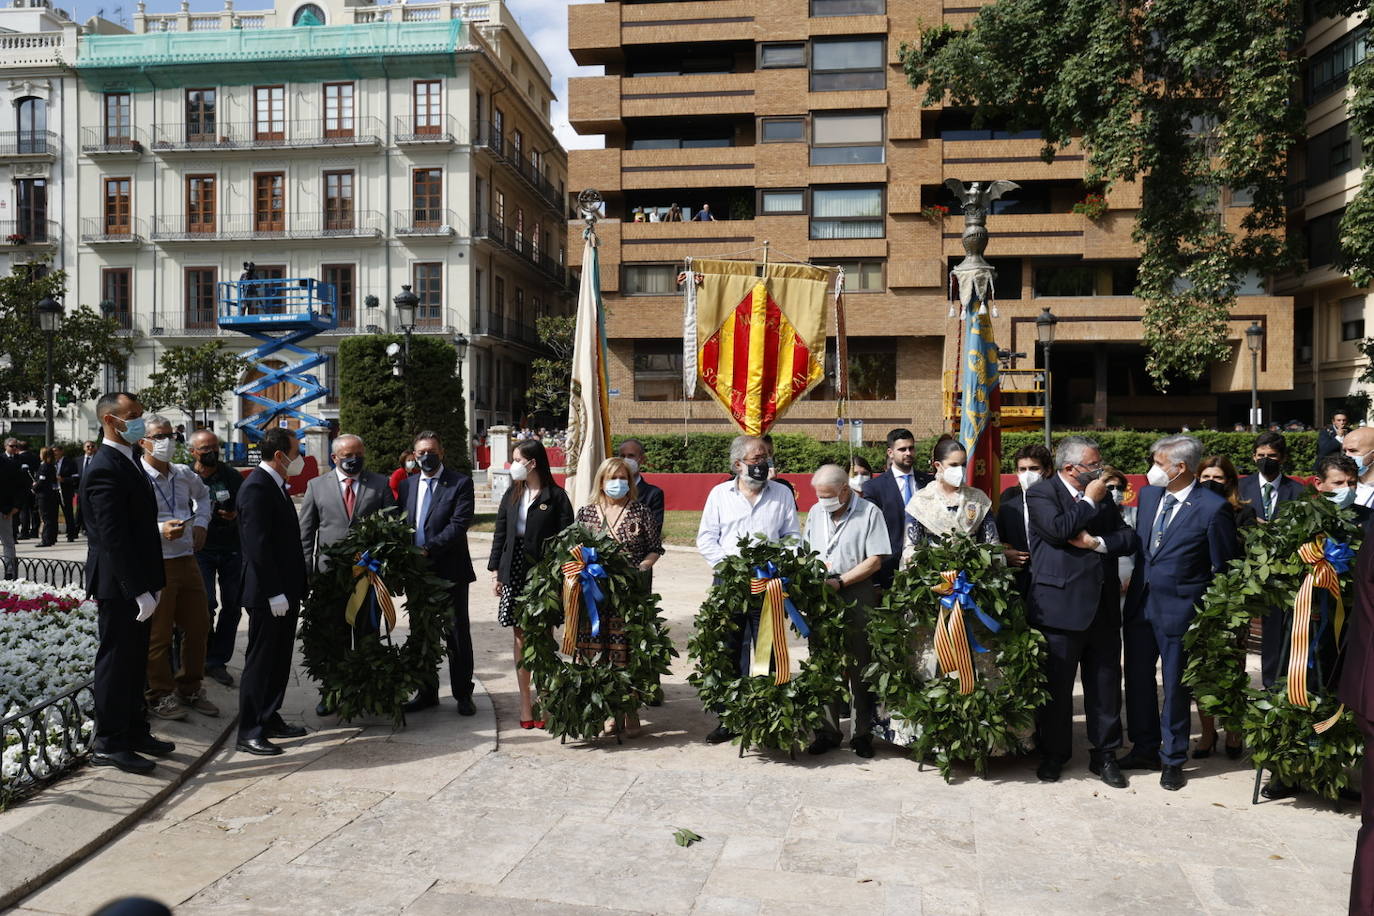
[
  {"x": 1127, "y": 450},
  {"x": 387, "y": 410}
]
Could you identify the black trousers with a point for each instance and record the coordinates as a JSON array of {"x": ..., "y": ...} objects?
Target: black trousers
[
  {"x": 47, "y": 513},
  {"x": 1362, "y": 872},
  {"x": 1095, "y": 651},
  {"x": 69, "y": 511},
  {"x": 266, "y": 669},
  {"x": 458, "y": 640},
  {"x": 121, "y": 720}
]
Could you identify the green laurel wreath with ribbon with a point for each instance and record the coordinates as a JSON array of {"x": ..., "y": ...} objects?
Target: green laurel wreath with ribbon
[
  {"x": 577, "y": 696},
  {"x": 1008, "y": 678},
  {"x": 1279, "y": 735},
  {"x": 759, "y": 710},
  {"x": 377, "y": 675}
]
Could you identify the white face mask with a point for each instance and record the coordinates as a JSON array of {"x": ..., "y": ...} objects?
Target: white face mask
[
  {"x": 296, "y": 466},
  {"x": 856, "y": 483},
  {"x": 1341, "y": 496},
  {"x": 632, "y": 465},
  {"x": 1027, "y": 479},
  {"x": 519, "y": 471},
  {"x": 616, "y": 488},
  {"x": 1158, "y": 477},
  {"x": 1117, "y": 496},
  {"x": 954, "y": 476},
  {"x": 164, "y": 449},
  {"x": 828, "y": 503}
]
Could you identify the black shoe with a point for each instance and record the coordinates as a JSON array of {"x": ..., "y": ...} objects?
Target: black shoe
[
  {"x": 1110, "y": 771},
  {"x": 1136, "y": 760},
  {"x": 820, "y": 745},
  {"x": 127, "y": 761},
  {"x": 260, "y": 746},
  {"x": 220, "y": 675},
  {"x": 1233, "y": 751},
  {"x": 1171, "y": 777},
  {"x": 420, "y": 702},
  {"x": 466, "y": 707},
  {"x": 154, "y": 747},
  {"x": 1276, "y": 789},
  {"x": 719, "y": 735},
  {"x": 1049, "y": 770},
  {"x": 862, "y": 745},
  {"x": 280, "y": 729}
]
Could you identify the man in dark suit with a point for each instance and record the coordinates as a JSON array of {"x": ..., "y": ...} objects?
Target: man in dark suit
[
  {"x": 13, "y": 486},
  {"x": 124, "y": 574},
  {"x": 68, "y": 480},
  {"x": 1033, "y": 464},
  {"x": 1076, "y": 535},
  {"x": 27, "y": 461},
  {"x": 890, "y": 490},
  {"x": 1330, "y": 439},
  {"x": 82, "y": 463},
  {"x": 1356, "y": 691},
  {"x": 439, "y": 505},
  {"x": 1187, "y": 535},
  {"x": 273, "y": 586}
]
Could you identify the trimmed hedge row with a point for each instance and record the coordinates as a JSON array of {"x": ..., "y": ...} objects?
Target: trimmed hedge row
[{"x": 1127, "y": 450}]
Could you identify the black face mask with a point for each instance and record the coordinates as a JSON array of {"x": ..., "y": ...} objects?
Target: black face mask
[
  {"x": 352, "y": 465},
  {"x": 757, "y": 471},
  {"x": 209, "y": 459},
  {"x": 429, "y": 462},
  {"x": 1088, "y": 477},
  {"x": 1269, "y": 467},
  {"x": 1216, "y": 486}
]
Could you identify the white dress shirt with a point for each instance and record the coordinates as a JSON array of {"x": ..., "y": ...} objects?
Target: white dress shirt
[
  {"x": 122, "y": 447},
  {"x": 180, "y": 494},
  {"x": 422, "y": 498},
  {"x": 1181, "y": 496},
  {"x": 526, "y": 500},
  {"x": 1272, "y": 503},
  {"x": 729, "y": 516}
]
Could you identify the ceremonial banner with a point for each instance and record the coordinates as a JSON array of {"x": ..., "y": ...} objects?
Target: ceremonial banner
[
  {"x": 979, "y": 373},
  {"x": 589, "y": 422},
  {"x": 758, "y": 337}
]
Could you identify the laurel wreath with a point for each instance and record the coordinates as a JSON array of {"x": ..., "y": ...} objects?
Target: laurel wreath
[
  {"x": 1278, "y": 735},
  {"x": 759, "y": 711},
  {"x": 577, "y": 696},
  {"x": 377, "y": 675},
  {"x": 1010, "y": 681}
]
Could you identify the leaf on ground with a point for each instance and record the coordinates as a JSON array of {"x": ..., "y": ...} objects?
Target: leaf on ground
[{"x": 684, "y": 837}]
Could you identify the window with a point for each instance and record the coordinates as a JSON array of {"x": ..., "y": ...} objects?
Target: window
[
  {"x": 519, "y": 229},
  {"x": 1331, "y": 153},
  {"x": 872, "y": 370},
  {"x": 116, "y": 288},
  {"x": 847, "y": 64},
  {"x": 534, "y": 242},
  {"x": 1097, "y": 278},
  {"x": 32, "y": 120},
  {"x": 31, "y": 205},
  {"x": 715, "y": 142},
  {"x": 116, "y": 206},
  {"x": 1329, "y": 69},
  {"x": 518, "y": 313},
  {"x": 847, "y": 213},
  {"x": 849, "y": 138},
  {"x": 782, "y": 56},
  {"x": 498, "y": 126},
  {"x": 428, "y": 106},
  {"x": 958, "y": 124},
  {"x": 331, "y": 376},
  {"x": 658, "y": 371},
  {"x": 269, "y": 202},
  {"x": 862, "y": 276},
  {"x": 119, "y": 125},
  {"x": 200, "y": 203},
  {"x": 269, "y": 113},
  {"x": 499, "y": 207},
  {"x": 1352, "y": 318},
  {"x": 789, "y": 201},
  {"x": 649, "y": 280},
  {"x": 338, "y": 200},
  {"x": 496, "y": 320},
  {"x": 427, "y": 197},
  {"x": 338, "y": 109},
  {"x": 309, "y": 14},
  {"x": 1323, "y": 242},
  {"x": 517, "y": 142},
  {"x": 342, "y": 276},
  {"x": 200, "y": 116},
  {"x": 782, "y": 130},
  {"x": 429, "y": 286},
  {"x": 848, "y": 7},
  {"x": 200, "y": 297}
]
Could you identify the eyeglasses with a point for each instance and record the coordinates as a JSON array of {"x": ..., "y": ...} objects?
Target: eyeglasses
[{"x": 158, "y": 437}]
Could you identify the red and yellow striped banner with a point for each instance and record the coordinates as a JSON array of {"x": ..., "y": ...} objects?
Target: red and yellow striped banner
[{"x": 951, "y": 637}]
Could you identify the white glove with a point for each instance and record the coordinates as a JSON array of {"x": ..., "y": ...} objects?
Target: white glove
[
  {"x": 147, "y": 603},
  {"x": 278, "y": 605}
]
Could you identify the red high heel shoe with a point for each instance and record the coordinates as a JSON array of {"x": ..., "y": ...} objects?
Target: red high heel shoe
[{"x": 528, "y": 724}]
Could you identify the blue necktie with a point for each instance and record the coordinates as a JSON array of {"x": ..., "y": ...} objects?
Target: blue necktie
[
  {"x": 907, "y": 493},
  {"x": 1165, "y": 510},
  {"x": 422, "y": 511}
]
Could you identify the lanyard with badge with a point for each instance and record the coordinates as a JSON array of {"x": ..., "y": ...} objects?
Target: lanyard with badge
[
  {"x": 834, "y": 539},
  {"x": 169, "y": 502}
]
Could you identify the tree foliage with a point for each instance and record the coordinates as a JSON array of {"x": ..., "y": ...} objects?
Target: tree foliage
[
  {"x": 86, "y": 343},
  {"x": 550, "y": 375},
  {"x": 194, "y": 379},
  {"x": 1188, "y": 97}
]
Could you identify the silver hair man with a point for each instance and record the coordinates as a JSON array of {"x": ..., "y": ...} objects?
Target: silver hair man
[
  {"x": 1071, "y": 450},
  {"x": 155, "y": 421},
  {"x": 1180, "y": 449},
  {"x": 341, "y": 441},
  {"x": 830, "y": 475}
]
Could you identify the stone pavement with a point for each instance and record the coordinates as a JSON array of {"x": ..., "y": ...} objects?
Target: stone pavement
[{"x": 454, "y": 815}]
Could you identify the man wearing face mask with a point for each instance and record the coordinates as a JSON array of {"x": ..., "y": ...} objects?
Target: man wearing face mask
[
  {"x": 749, "y": 504},
  {"x": 891, "y": 490},
  {"x": 183, "y": 516},
  {"x": 1033, "y": 464},
  {"x": 124, "y": 574},
  {"x": 1358, "y": 446},
  {"x": 333, "y": 502},
  {"x": 1269, "y": 486},
  {"x": 219, "y": 558},
  {"x": 1187, "y": 536},
  {"x": 1336, "y": 480},
  {"x": 274, "y": 578}
]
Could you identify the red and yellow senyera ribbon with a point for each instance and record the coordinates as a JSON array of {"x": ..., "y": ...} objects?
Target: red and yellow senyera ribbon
[
  {"x": 951, "y": 636},
  {"x": 1323, "y": 575},
  {"x": 580, "y": 575},
  {"x": 366, "y": 569}
]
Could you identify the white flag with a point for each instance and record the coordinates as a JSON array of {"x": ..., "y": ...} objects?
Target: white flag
[{"x": 589, "y": 422}]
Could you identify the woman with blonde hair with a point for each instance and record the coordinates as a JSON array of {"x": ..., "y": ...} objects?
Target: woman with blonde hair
[{"x": 616, "y": 511}]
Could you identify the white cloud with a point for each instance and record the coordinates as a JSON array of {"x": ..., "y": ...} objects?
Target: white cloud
[{"x": 546, "y": 24}]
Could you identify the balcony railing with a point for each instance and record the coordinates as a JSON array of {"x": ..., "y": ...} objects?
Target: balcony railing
[
  {"x": 95, "y": 230},
  {"x": 492, "y": 229},
  {"x": 235, "y": 227},
  {"x": 95, "y": 141},
  {"x": 427, "y": 222},
  {"x": 249, "y": 135},
  {"x": 489, "y": 139},
  {"x": 429, "y": 130},
  {"x": 28, "y": 144},
  {"x": 29, "y": 233},
  {"x": 191, "y": 323},
  {"x": 496, "y": 324}
]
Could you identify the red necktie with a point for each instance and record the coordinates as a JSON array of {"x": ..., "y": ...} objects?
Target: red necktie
[{"x": 349, "y": 498}]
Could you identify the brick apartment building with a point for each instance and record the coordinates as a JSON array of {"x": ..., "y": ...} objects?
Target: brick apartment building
[{"x": 793, "y": 121}]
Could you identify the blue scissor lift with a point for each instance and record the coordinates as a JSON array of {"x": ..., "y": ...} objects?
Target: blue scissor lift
[{"x": 281, "y": 314}]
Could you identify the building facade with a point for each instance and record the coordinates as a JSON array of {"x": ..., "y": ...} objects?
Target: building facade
[{"x": 793, "y": 123}]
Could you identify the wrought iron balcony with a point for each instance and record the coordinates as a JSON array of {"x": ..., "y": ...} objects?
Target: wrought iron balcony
[
  {"x": 505, "y": 327},
  {"x": 30, "y": 233},
  {"x": 428, "y": 130},
  {"x": 96, "y": 141},
  {"x": 28, "y": 144},
  {"x": 492, "y": 229},
  {"x": 427, "y": 222},
  {"x": 211, "y": 136},
  {"x": 246, "y": 226},
  {"x": 489, "y": 140},
  {"x": 96, "y": 231}
]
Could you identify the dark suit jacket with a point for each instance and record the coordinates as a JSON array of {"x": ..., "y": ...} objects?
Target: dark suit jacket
[
  {"x": 69, "y": 469},
  {"x": 446, "y": 521},
  {"x": 1327, "y": 444},
  {"x": 883, "y": 492},
  {"x": 548, "y": 515},
  {"x": 323, "y": 519},
  {"x": 273, "y": 563},
  {"x": 1199, "y": 542},
  {"x": 1070, "y": 586},
  {"x": 14, "y": 484},
  {"x": 652, "y": 498},
  {"x": 1011, "y": 520},
  {"x": 1356, "y": 688},
  {"x": 123, "y": 548},
  {"x": 1289, "y": 489}
]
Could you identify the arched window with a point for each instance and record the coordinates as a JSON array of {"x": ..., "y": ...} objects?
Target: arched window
[
  {"x": 309, "y": 14},
  {"x": 32, "y": 114}
]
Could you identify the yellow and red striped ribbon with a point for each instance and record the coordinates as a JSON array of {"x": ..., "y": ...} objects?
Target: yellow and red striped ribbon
[
  {"x": 951, "y": 637},
  {"x": 365, "y": 571},
  {"x": 572, "y": 599},
  {"x": 772, "y": 637},
  {"x": 1321, "y": 576}
]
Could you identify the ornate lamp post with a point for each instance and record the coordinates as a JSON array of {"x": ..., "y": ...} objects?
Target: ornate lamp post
[
  {"x": 1044, "y": 331},
  {"x": 49, "y": 322},
  {"x": 1254, "y": 339},
  {"x": 406, "y": 303}
]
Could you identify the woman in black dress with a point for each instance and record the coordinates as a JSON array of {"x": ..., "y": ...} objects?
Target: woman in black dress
[{"x": 532, "y": 511}]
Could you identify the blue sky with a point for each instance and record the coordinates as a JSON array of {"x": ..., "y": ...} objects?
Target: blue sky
[{"x": 544, "y": 21}]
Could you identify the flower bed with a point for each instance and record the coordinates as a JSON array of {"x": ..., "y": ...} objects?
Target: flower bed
[{"x": 48, "y": 644}]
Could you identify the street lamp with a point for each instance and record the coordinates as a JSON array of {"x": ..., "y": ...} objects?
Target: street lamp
[
  {"x": 1254, "y": 339},
  {"x": 49, "y": 322},
  {"x": 406, "y": 303},
  {"x": 1044, "y": 332},
  {"x": 460, "y": 350}
]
